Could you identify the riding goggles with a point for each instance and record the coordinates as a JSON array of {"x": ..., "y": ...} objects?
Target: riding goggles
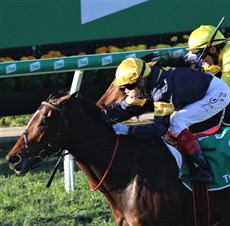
[{"x": 128, "y": 86}]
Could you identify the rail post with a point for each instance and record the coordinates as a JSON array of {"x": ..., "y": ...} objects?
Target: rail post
[{"x": 69, "y": 174}]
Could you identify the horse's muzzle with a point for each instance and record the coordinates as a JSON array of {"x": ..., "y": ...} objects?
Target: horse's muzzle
[
  {"x": 13, "y": 159},
  {"x": 17, "y": 164}
]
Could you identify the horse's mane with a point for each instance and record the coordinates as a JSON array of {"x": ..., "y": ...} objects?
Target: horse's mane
[
  {"x": 173, "y": 62},
  {"x": 91, "y": 109},
  {"x": 89, "y": 106},
  {"x": 167, "y": 60}
]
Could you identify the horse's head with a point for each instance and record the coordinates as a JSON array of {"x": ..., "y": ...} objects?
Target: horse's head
[
  {"x": 112, "y": 95},
  {"x": 42, "y": 137}
]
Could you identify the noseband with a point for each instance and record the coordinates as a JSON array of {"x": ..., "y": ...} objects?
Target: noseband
[{"x": 47, "y": 151}]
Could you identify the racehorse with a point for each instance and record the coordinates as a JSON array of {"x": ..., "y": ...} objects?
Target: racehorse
[{"x": 137, "y": 176}]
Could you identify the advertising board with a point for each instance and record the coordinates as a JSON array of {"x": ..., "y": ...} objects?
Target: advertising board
[{"x": 39, "y": 22}]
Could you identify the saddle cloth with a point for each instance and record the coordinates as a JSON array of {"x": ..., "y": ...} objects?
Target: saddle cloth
[{"x": 216, "y": 148}]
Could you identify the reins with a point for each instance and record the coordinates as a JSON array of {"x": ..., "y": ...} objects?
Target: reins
[
  {"x": 55, "y": 168},
  {"x": 94, "y": 187}
]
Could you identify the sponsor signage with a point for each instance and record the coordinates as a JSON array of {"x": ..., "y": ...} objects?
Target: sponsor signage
[{"x": 89, "y": 62}]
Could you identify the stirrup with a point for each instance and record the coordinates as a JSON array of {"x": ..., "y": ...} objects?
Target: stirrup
[{"x": 207, "y": 179}]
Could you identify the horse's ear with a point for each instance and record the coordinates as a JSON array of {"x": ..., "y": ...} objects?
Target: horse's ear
[
  {"x": 57, "y": 94},
  {"x": 68, "y": 98}
]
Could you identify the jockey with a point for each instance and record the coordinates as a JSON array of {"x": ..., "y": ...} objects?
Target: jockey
[
  {"x": 180, "y": 97},
  {"x": 216, "y": 57}
]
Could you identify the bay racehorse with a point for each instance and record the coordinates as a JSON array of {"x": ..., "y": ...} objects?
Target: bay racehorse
[{"x": 137, "y": 176}]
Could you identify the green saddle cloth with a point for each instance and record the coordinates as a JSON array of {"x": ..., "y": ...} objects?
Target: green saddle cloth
[{"x": 216, "y": 149}]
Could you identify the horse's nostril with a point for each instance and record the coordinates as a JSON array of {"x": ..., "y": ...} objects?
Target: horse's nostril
[{"x": 13, "y": 159}]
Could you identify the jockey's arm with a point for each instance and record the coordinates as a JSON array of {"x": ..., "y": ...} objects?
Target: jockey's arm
[
  {"x": 160, "y": 125},
  {"x": 122, "y": 111},
  {"x": 158, "y": 128}
]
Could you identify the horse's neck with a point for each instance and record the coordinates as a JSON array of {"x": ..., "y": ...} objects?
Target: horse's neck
[
  {"x": 86, "y": 133},
  {"x": 129, "y": 158},
  {"x": 96, "y": 157},
  {"x": 89, "y": 137}
]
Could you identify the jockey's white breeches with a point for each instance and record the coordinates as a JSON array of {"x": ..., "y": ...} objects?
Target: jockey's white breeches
[{"x": 216, "y": 99}]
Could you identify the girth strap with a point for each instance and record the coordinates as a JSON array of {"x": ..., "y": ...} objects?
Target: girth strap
[{"x": 201, "y": 204}]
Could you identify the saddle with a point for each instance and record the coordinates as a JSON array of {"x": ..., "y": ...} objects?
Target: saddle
[{"x": 215, "y": 144}]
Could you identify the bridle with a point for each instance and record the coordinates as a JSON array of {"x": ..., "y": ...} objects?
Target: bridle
[
  {"x": 43, "y": 153},
  {"x": 47, "y": 152}
]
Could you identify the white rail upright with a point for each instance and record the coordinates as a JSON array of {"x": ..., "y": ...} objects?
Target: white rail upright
[{"x": 69, "y": 174}]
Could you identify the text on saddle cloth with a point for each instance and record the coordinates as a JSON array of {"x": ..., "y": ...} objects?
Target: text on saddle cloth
[{"x": 216, "y": 148}]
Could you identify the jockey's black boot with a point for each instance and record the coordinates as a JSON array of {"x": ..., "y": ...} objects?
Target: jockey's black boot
[
  {"x": 197, "y": 165},
  {"x": 198, "y": 168}
]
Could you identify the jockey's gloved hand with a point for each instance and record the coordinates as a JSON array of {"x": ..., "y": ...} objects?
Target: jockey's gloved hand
[
  {"x": 194, "y": 60},
  {"x": 120, "y": 128}
]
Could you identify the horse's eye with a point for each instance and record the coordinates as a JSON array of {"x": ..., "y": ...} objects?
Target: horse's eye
[{"x": 44, "y": 122}]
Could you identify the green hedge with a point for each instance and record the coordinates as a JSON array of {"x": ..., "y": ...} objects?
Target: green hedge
[{"x": 38, "y": 82}]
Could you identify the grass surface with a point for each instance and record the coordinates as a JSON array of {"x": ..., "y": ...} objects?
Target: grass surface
[
  {"x": 20, "y": 120},
  {"x": 26, "y": 202}
]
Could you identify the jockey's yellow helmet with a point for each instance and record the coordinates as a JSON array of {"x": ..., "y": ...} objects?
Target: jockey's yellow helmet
[
  {"x": 130, "y": 70},
  {"x": 199, "y": 38}
]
